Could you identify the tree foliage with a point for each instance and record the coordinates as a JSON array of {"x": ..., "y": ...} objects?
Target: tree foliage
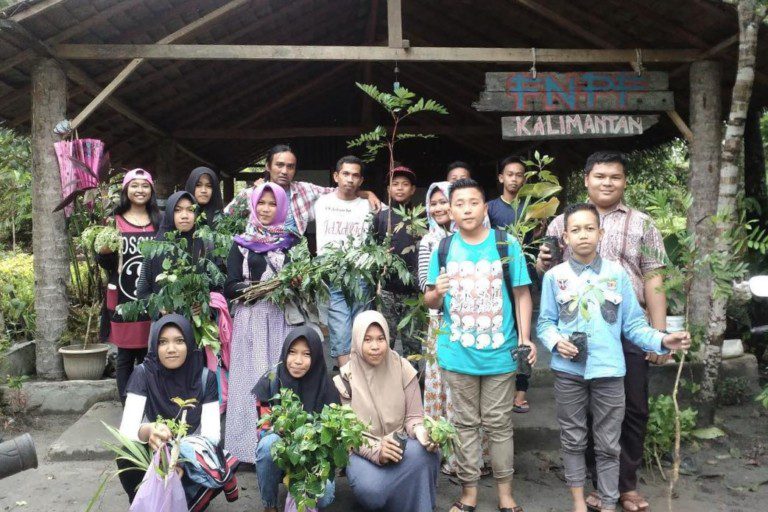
[{"x": 15, "y": 190}]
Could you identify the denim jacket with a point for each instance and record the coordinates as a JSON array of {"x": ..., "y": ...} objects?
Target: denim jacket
[{"x": 597, "y": 299}]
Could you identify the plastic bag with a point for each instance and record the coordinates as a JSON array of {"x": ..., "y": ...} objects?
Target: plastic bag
[
  {"x": 158, "y": 494},
  {"x": 290, "y": 505}
]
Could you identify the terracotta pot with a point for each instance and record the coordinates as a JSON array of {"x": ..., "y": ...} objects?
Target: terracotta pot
[{"x": 85, "y": 363}]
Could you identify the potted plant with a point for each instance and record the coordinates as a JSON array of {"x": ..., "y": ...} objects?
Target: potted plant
[
  {"x": 91, "y": 196},
  {"x": 83, "y": 360}
]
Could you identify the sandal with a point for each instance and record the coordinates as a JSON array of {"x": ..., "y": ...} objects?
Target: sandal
[
  {"x": 462, "y": 507},
  {"x": 507, "y": 509},
  {"x": 521, "y": 407},
  {"x": 594, "y": 503},
  {"x": 638, "y": 503}
]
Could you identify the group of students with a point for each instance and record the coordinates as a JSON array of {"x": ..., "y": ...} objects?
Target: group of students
[{"x": 476, "y": 281}]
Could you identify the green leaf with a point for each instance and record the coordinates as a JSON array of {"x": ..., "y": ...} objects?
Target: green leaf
[{"x": 708, "y": 433}]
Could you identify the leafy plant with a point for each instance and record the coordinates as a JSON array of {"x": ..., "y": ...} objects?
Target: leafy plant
[
  {"x": 535, "y": 202},
  {"x": 311, "y": 446},
  {"x": 186, "y": 282},
  {"x": 17, "y": 296},
  {"x": 762, "y": 397},
  {"x": 15, "y": 189},
  {"x": 733, "y": 391},
  {"x": 660, "y": 433},
  {"x": 443, "y": 433},
  {"x": 400, "y": 104}
]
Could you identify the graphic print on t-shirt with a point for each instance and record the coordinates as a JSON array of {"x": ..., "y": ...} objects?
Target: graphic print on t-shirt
[
  {"x": 132, "y": 262},
  {"x": 476, "y": 303}
]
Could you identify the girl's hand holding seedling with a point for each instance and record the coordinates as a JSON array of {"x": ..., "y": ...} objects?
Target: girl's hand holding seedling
[
  {"x": 197, "y": 309},
  {"x": 390, "y": 451},
  {"x": 566, "y": 349},
  {"x": 677, "y": 340},
  {"x": 422, "y": 436},
  {"x": 155, "y": 434}
]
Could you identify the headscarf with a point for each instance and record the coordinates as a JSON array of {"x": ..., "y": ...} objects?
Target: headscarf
[
  {"x": 434, "y": 228},
  {"x": 315, "y": 388},
  {"x": 216, "y": 203},
  {"x": 183, "y": 382},
  {"x": 378, "y": 392},
  {"x": 167, "y": 223},
  {"x": 260, "y": 238}
]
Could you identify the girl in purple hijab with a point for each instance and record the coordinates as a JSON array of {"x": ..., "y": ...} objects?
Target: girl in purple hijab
[
  {"x": 259, "y": 328},
  {"x": 260, "y": 237}
]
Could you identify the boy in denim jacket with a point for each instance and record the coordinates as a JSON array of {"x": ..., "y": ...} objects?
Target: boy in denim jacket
[{"x": 595, "y": 296}]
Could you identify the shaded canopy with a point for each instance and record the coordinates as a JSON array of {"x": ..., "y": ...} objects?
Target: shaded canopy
[{"x": 229, "y": 112}]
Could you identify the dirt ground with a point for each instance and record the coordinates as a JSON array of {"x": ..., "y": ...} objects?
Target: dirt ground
[{"x": 729, "y": 474}]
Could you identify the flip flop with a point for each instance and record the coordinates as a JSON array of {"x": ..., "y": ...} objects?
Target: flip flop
[
  {"x": 521, "y": 408},
  {"x": 636, "y": 500},
  {"x": 462, "y": 507}
]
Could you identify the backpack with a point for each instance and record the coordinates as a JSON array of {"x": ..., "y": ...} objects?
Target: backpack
[{"x": 502, "y": 246}]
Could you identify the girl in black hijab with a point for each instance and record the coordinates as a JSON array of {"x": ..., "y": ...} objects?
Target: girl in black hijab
[
  {"x": 180, "y": 216},
  {"x": 172, "y": 368},
  {"x": 203, "y": 184},
  {"x": 302, "y": 369}
]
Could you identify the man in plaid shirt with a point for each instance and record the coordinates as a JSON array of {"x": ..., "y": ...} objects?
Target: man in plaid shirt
[{"x": 281, "y": 166}]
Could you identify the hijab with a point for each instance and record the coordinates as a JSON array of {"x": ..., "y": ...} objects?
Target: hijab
[
  {"x": 261, "y": 238},
  {"x": 167, "y": 223},
  {"x": 315, "y": 388},
  {"x": 216, "y": 203},
  {"x": 436, "y": 229},
  {"x": 184, "y": 382},
  {"x": 378, "y": 392}
]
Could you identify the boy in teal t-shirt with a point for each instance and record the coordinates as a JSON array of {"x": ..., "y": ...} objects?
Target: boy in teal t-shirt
[{"x": 481, "y": 323}]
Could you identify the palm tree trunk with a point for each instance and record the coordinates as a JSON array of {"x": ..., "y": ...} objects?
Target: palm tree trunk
[{"x": 49, "y": 234}]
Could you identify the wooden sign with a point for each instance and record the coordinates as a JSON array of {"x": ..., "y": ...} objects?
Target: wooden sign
[
  {"x": 574, "y": 126},
  {"x": 589, "y": 91}
]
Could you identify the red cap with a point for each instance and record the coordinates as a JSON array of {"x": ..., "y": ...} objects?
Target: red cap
[{"x": 404, "y": 171}]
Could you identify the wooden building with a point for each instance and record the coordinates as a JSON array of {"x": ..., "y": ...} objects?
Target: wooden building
[{"x": 173, "y": 84}]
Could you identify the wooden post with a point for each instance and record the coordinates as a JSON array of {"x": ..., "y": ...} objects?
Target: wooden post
[
  {"x": 704, "y": 177},
  {"x": 229, "y": 188},
  {"x": 165, "y": 172},
  {"x": 49, "y": 233}
]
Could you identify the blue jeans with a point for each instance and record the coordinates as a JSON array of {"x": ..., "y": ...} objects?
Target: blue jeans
[
  {"x": 340, "y": 317},
  {"x": 270, "y": 476}
]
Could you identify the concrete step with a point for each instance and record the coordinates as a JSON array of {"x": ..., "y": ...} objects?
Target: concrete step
[
  {"x": 64, "y": 397},
  {"x": 85, "y": 439}
]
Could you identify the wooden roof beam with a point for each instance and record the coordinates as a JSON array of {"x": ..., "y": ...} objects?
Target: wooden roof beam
[
  {"x": 364, "y": 53},
  {"x": 395, "y": 25},
  {"x": 75, "y": 30},
  {"x": 78, "y": 76},
  {"x": 176, "y": 36},
  {"x": 320, "y": 131},
  {"x": 35, "y": 9}
]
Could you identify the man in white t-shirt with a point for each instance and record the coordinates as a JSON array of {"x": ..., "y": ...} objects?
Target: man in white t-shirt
[{"x": 337, "y": 216}]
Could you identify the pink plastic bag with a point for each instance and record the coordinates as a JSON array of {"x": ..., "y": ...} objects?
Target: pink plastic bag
[
  {"x": 290, "y": 505},
  {"x": 158, "y": 494}
]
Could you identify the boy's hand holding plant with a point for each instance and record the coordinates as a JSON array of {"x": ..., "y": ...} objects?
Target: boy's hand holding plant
[
  {"x": 566, "y": 349},
  {"x": 677, "y": 340}
]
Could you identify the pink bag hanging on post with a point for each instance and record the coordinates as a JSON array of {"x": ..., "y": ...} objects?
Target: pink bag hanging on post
[
  {"x": 157, "y": 493},
  {"x": 80, "y": 164},
  {"x": 290, "y": 505}
]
